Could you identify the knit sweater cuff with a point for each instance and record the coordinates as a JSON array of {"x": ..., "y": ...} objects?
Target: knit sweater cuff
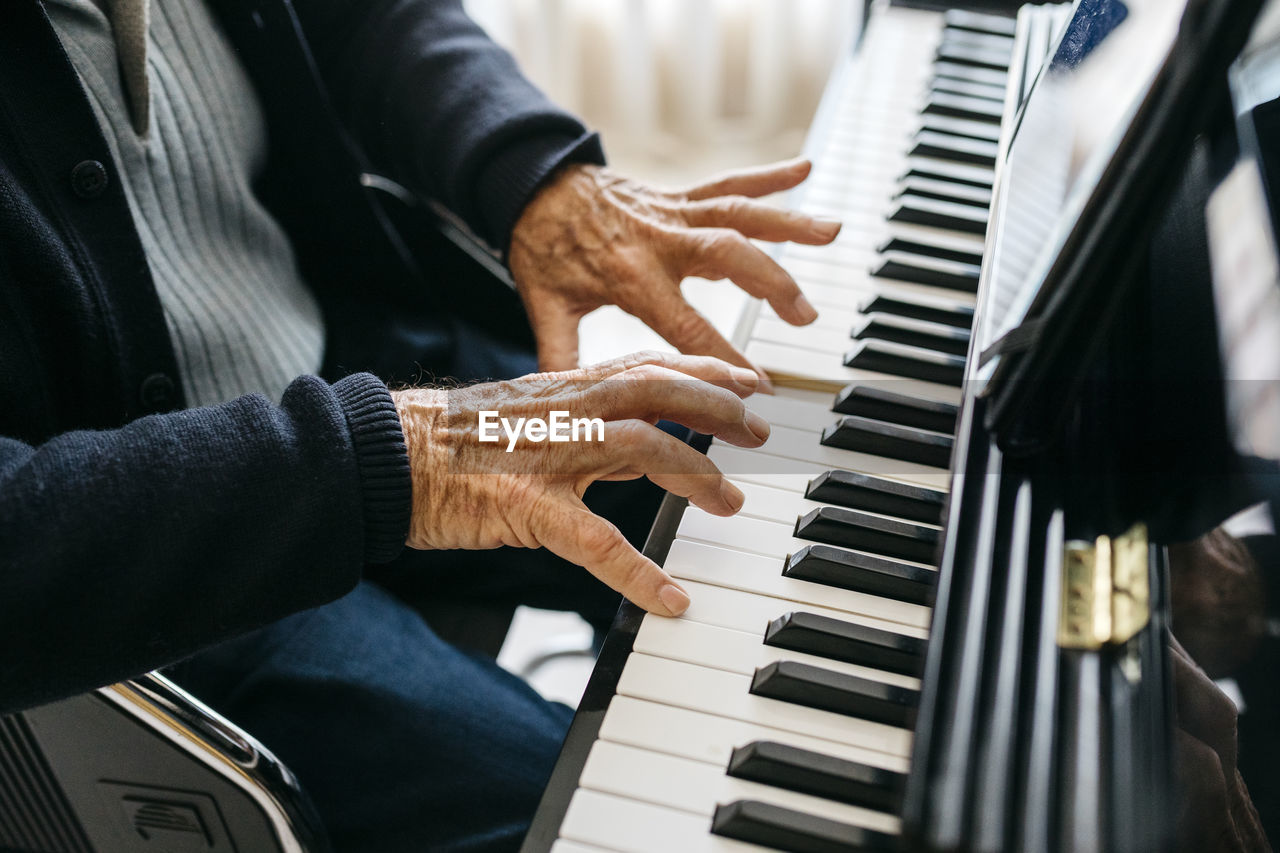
[
  {"x": 509, "y": 180},
  {"x": 383, "y": 463}
]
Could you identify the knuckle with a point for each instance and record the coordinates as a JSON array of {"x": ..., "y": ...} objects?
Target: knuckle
[
  {"x": 691, "y": 328},
  {"x": 601, "y": 539}
]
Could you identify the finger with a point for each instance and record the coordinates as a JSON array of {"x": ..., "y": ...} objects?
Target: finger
[
  {"x": 688, "y": 331},
  {"x": 673, "y": 465},
  {"x": 585, "y": 539},
  {"x": 755, "y": 182},
  {"x": 741, "y": 381},
  {"x": 1204, "y": 821},
  {"x": 724, "y": 253},
  {"x": 760, "y": 221},
  {"x": 555, "y": 328},
  {"x": 1204, "y": 710},
  {"x": 653, "y": 393}
]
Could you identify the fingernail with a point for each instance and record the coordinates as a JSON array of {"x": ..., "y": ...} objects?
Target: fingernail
[
  {"x": 675, "y": 599},
  {"x": 825, "y": 229},
  {"x": 732, "y": 495},
  {"x": 765, "y": 386},
  {"x": 804, "y": 310},
  {"x": 748, "y": 380},
  {"x": 759, "y": 426}
]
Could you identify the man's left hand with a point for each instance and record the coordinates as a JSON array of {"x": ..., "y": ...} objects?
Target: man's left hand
[{"x": 591, "y": 237}]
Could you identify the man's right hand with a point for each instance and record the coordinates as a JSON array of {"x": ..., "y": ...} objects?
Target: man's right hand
[{"x": 477, "y": 495}]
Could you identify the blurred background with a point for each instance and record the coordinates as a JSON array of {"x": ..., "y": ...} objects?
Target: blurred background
[{"x": 679, "y": 89}]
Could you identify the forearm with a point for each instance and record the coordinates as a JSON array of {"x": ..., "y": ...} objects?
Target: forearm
[
  {"x": 440, "y": 107},
  {"x": 125, "y": 550}
]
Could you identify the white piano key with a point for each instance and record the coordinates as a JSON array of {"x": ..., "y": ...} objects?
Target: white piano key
[
  {"x": 691, "y": 786},
  {"x": 819, "y": 339},
  {"x": 631, "y": 826},
  {"x": 781, "y": 505},
  {"x": 755, "y": 467},
  {"x": 725, "y": 694},
  {"x": 574, "y": 847},
  {"x": 751, "y": 612},
  {"x": 738, "y": 651},
  {"x": 727, "y": 567},
  {"x": 837, "y": 319},
  {"x": 711, "y": 739},
  {"x": 813, "y": 413}
]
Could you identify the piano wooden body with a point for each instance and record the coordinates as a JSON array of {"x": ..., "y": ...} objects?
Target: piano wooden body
[{"x": 940, "y": 620}]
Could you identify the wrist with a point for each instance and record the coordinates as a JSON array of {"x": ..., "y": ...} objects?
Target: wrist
[{"x": 423, "y": 420}]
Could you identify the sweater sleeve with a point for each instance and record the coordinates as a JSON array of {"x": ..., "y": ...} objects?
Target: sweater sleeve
[
  {"x": 125, "y": 550},
  {"x": 442, "y": 108}
]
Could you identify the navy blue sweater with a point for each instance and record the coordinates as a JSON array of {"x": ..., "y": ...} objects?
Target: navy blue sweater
[{"x": 134, "y": 532}]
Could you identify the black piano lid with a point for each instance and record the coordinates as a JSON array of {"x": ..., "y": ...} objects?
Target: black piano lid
[{"x": 1069, "y": 302}]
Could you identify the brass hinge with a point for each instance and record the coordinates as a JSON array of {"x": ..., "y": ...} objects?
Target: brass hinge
[{"x": 1105, "y": 593}]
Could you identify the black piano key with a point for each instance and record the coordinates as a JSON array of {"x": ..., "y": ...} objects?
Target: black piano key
[
  {"x": 976, "y": 57},
  {"x": 917, "y": 246},
  {"x": 918, "y": 333},
  {"x": 844, "y": 641},
  {"x": 986, "y": 42},
  {"x": 819, "y": 775},
  {"x": 940, "y": 214},
  {"x": 961, "y": 149},
  {"x": 961, "y": 127},
  {"x": 878, "y": 404},
  {"x": 867, "y": 573},
  {"x": 815, "y": 687},
  {"x": 949, "y": 170},
  {"x": 887, "y": 537},
  {"x": 920, "y": 308},
  {"x": 967, "y": 88},
  {"x": 971, "y": 74},
  {"x": 945, "y": 191},
  {"x": 876, "y": 494},
  {"x": 952, "y": 275},
  {"x": 892, "y": 441},
  {"x": 785, "y": 829},
  {"x": 979, "y": 22},
  {"x": 908, "y": 362},
  {"x": 959, "y": 106}
]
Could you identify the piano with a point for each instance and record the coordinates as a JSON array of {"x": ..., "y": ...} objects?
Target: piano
[{"x": 936, "y": 622}]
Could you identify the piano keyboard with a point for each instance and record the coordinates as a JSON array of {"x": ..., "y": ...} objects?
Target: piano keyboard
[{"x": 778, "y": 711}]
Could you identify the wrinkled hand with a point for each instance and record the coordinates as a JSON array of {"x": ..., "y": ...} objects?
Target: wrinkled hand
[
  {"x": 475, "y": 495},
  {"x": 591, "y": 237},
  {"x": 1215, "y": 812},
  {"x": 1218, "y": 601}
]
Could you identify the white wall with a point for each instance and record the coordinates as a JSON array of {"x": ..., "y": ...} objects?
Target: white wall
[{"x": 680, "y": 87}]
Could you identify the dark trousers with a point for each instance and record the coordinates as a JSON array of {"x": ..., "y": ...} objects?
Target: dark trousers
[{"x": 403, "y": 741}]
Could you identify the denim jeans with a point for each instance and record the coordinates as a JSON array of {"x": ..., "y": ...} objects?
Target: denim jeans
[{"x": 403, "y": 741}]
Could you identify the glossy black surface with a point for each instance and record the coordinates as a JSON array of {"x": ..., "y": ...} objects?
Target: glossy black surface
[
  {"x": 785, "y": 829},
  {"x": 824, "y": 564},
  {"x": 847, "y": 641},
  {"x": 815, "y": 687},
  {"x": 906, "y": 361},
  {"x": 891, "y": 441},
  {"x": 933, "y": 310},
  {"x": 876, "y": 494},
  {"x": 819, "y": 775},
  {"x": 863, "y": 531},
  {"x": 905, "y": 330}
]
